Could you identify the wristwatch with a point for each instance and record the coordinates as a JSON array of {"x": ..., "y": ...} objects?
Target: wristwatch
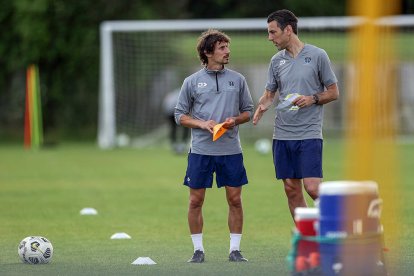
[{"x": 315, "y": 98}]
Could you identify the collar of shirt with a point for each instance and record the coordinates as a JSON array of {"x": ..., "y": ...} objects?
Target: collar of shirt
[{"x": 214, "y": 71}]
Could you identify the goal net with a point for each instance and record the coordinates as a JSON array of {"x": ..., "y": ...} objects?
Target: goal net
[{"x": 143, "y": 61}]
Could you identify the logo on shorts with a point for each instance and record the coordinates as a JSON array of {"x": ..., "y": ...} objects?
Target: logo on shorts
[{"x": 188, "y": 179}]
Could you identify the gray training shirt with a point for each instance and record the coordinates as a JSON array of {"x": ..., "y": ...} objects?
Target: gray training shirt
[
  {"x": 309, "y": 73},
  {"x": 214, "y": 95}
]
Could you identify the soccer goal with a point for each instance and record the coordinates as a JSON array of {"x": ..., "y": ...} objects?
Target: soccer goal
[{"x": 142, "y": 61}]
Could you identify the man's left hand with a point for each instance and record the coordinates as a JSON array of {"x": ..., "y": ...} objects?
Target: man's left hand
[{"x": 303, "y": 101}]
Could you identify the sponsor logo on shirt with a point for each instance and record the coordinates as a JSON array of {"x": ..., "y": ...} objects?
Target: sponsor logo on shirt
[{"x": 231, "y": 83}]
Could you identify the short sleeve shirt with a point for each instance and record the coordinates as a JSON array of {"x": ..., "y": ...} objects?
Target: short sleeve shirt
[
  {"x": 307, "y": 74},
  {"x": 214, "y": 95}
]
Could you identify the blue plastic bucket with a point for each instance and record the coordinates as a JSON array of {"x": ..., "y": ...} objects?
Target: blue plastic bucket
[{"x": 349, "y": 227}]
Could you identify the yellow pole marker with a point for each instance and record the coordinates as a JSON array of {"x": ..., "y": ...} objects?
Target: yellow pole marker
[{"x": 371, "y": 108}]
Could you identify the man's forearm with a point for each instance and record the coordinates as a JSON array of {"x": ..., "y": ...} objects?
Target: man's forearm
[
  {"x": 188, "y": 121},
  {"x": 242, "y": 118},
  {"x": 267, "y": 99},
  {"x": 329, "y": 95}
]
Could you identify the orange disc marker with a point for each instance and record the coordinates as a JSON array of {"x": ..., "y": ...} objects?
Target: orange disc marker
[{"x": 218, "y": 130}]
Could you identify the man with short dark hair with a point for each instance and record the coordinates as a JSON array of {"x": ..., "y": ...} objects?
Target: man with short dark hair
[
  {"x": 214, "y": 95},
  {"x": 302, "y": 75}
]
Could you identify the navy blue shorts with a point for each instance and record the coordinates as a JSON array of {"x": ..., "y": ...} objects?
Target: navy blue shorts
[
  {"x": 229, "y": 171},
  {"x": 298, "y": 158}
]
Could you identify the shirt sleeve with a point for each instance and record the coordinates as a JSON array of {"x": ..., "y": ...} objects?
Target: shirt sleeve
[
  {"x": 246, "y": 102},
  {"x": 327, "y": 75},
  {"x": 271, "y": 84},
  {"x": 184, "y": 102}
]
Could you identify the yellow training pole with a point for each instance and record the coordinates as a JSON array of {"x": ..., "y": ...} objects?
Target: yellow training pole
[{"x": 371, "y": 120}]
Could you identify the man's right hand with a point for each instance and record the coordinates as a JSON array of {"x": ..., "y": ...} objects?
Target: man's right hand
[
  {"x": 208, "y": 125},
  {"x": 264, "y": 103},
  {"x": 261, "y": 109}
]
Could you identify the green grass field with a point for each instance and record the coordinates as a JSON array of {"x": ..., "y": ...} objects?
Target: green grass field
[{"x": 140, "y": 192}]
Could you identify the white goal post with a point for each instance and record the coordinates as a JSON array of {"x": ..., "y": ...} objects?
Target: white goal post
[{"x": 135, "y": 66}]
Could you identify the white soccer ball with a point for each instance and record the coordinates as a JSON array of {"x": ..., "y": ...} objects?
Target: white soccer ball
[
  {"x": 123, "y": 140},
  {"x": 35, "y": 250},
  {"x": 263, "y": 146}
]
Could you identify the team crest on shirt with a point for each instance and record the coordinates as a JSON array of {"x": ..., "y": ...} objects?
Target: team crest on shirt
[{"x": 308, "y": 59}]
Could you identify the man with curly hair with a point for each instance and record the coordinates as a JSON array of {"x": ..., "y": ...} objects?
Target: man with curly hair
[{"x": 214, "y": 95}]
